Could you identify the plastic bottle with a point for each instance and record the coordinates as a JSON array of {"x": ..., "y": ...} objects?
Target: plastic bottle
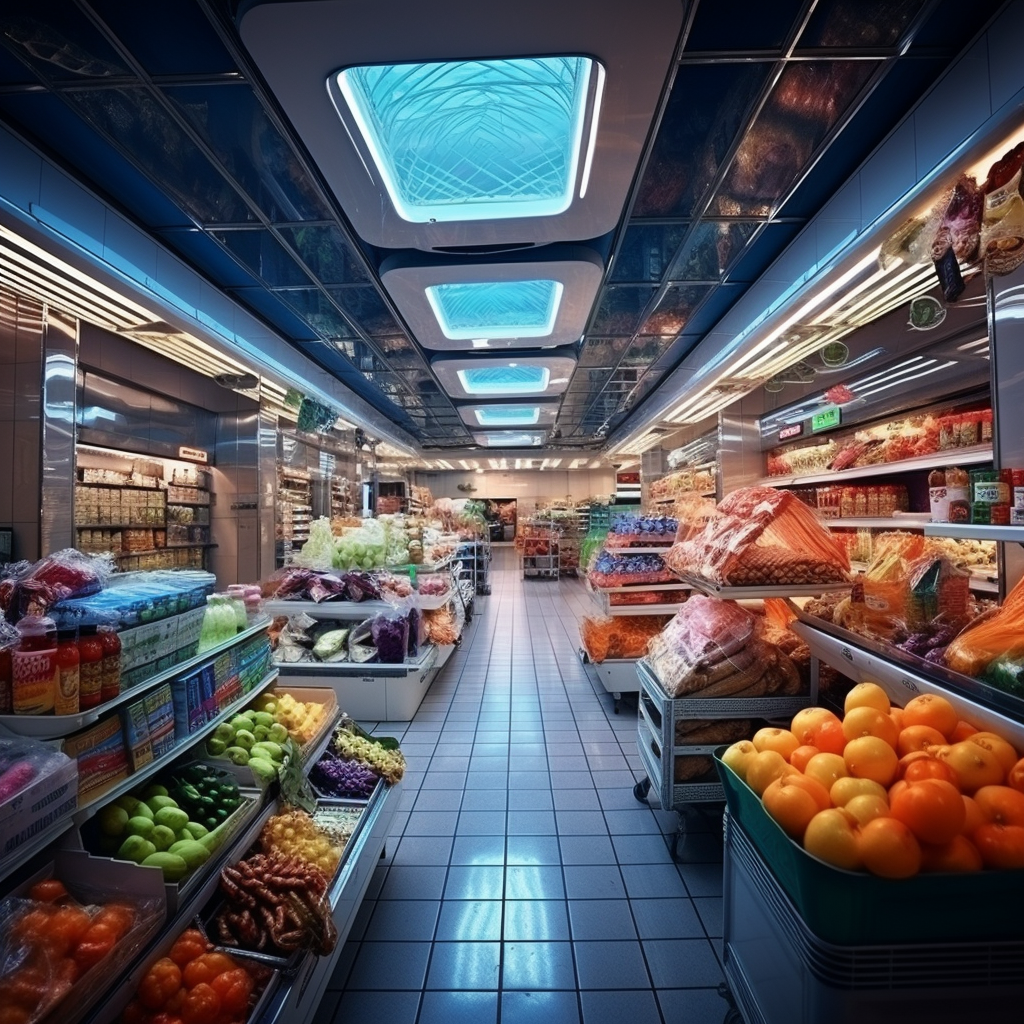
[
  {"x": 236, "y": 597},
  {"x": 207, "y": 631},
  {"x": 65, "y": 700},
  {"x": 111, "y": 685},
  {"x": 34, "y": 666},
  {"x": 90, "y": 669},
  {"x": 227, "y": 625}
]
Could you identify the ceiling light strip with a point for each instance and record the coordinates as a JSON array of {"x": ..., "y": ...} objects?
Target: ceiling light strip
[{"x": 903, "y": 380}]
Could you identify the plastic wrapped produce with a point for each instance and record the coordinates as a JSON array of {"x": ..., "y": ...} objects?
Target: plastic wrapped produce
[
  {"x": 33, "y": 588},
  {"x": 331, "y": 646},
  {"x": 713, "y": 647},
  {"x": 622, "y": 570},
  {"x": 999, "y": 635},
  {"x": 762, "y": 537},
  {"x": 621, "y": 636},
  {"x": 391, "y": 638},
  {"x": 339, "y": 777},
  {"x": 637, "y": 531},
  {"x": 440, "y": 626}
]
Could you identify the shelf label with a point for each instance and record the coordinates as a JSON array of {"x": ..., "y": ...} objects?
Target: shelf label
[
  {"x": 826, "y": 419},
  {"x": 193, "y": 454},
  {"x": 794, "y": 430},
  {"x": 909, "y": 684}
]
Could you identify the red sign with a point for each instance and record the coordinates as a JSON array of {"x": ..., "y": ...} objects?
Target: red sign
[{"x": 793, "y": 431}]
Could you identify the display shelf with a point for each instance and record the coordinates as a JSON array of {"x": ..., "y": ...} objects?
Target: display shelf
[
  {"x": 121, "y": 487},
  {"x": 976, "y": 531},
  {"x": 190, "y": 504},
  {"x": 637, "y": 587},
  {"x": 54, "y": 726},
  {"x": 650, "y": 549},
  {"x": 87, "y": 809},
  {"x": 904, "y": 676},
  {"x": 909, "y": 521},
  {"x": 24, "y": 852},
  {"x": 728, "y": 593},
  {"x": 954, "y": 456},
  {"x": 424, "y": 660}
]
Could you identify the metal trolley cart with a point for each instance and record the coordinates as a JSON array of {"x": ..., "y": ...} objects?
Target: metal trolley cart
[{"x": 660, "y": 749}]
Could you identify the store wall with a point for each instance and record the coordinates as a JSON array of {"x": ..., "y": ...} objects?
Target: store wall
[
  {"x": 234, "y": 516},
  {"x": 21, "y": 380},
  {"x": 530, "y": 488}
]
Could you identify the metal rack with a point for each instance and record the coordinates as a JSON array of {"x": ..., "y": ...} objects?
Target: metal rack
[{"x": 539, "y": 549}]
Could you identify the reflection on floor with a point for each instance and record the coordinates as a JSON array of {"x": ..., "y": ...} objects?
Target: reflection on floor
[{"x": 523, "y": 881}]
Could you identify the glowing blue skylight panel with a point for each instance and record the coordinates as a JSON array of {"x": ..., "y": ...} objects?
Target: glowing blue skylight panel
[
  {"x": 496, "y": 309},
  {"x": 505, "y": 380},
  {"x": 508, "y": 439},
  {"x": 508, "y": 416},
  {"x": 473, "y": 140}
]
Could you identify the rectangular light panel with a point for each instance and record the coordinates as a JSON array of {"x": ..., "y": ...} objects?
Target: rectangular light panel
[
  {"x": 474, "y": 139},
  {"x": 496, "y": 309},
  {"x": 510, "y": 439},
  {"x": 504, "y": 380},
  {"x": 508, "y": 416}
]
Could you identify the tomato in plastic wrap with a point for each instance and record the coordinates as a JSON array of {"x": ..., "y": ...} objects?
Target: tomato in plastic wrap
[
  {"x": 234, "y": 988},
  {"x": 201, "y": 1006},
  {"x": 188, "y": 945}
]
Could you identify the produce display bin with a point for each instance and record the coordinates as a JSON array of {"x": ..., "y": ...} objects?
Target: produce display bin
[
  {"x": 857, "y": 908},
  {"x": 780, "y": 971}
]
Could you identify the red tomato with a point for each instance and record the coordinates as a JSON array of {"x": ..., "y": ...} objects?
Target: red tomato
[
  {"x": 201, "y": 1006},
  {"x": 159, "y": 983}
]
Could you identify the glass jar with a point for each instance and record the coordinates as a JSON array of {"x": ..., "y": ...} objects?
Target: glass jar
[
  {"x": 90, "y": 669},
  {"x": 68, "y": 661},
  {"x": 111, "y": 685},
  {"x": 34, "y": 666}
]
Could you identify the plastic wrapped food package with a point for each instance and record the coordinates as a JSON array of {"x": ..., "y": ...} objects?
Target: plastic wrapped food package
[
  {"x": 33, "y": 588},
  {"x": 440, "y": 626},
  {"x": 996, "y": 636},
  {"x": 55, "y": 946},
  {"x": 391, "y": 637},
  {"x": 361, "y": 647},
  {"x": 713, "y": 647},
  {"x": 24, "y": 762},
  {"x": 622, "y": 570},
  {"x": 622, "y": 636},
  {"x": 331, "y": 645},
  {"x": 762, "y": 537}
]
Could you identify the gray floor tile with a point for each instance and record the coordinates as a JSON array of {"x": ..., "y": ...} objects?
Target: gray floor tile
[
  {"x": 481, "y": 823},
  {"x": 413, "y": 883},
  {"x": 682, "y": 963},
  {"x": 474, "y": 882},
  {"x": 534, "y": 920},
  {"x": 593, "y": 882},
  {"x": 710, "y": 910},
  {"x": 632, "y": 823},
  {"x": 459, "y": 1008},
  {"x": 532, "y": 849},
  {"x": 534, "y": 882},
  {"x": 692, "y": 1004},
  {"x": 702, "y": 879},
  {"x": 437, "y": 800},
  {"x": 576, "y": 800},
  {"x": 465, "y": 965},
  {"x": 431, "y": 823},
  {"x": 398, "y": 920},
  {"x": 652, "y": 881},
  {"x": 630, "y": 1007},
  {"x": 469, "y": 921},
  {"x": 536, "y": 966},
  {"x": 641, "y": 849},
  {"x": 395, "y": 1007},
  {"x": 423, "y": 850},
  {"x": 610, "y": 965},
  {"x": 666, "y": 918},
  {"x": 530, "y": 800},
  {"x": 527, "y": 779},
  {"x": 484, "y": 800},
  {"x": 478, "y": 850},
  {"x": 390, "y": 965},
  {"x": 581, "y": 823},
  {"x": 571, "y": 780},
  {"x": 601, "y": 919},
  {"x": 587, "y": 850},
  {"x": 545, "y": 1007},
  {"x": 486, "y": 780},
  {"x": 531, "y": 823}
]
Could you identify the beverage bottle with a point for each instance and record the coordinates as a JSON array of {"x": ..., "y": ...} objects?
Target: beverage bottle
[
  {"x": 111, "y": 684},
  {"x": 34, "y": 666},
  {"x": 90, "y": 668}
]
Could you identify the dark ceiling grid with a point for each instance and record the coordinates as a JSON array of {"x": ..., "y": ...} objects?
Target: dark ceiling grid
[
  {"x": 794, "y": 62},
  {"x": 327, "y": 317}
]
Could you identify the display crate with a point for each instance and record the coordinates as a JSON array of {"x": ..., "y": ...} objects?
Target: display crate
[
  {"x": 656, "y": 734},
  {"x": 781, "y": 972},
  {"x": 851, "y": 908}
]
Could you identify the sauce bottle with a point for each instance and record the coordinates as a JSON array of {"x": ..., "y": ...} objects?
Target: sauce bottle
[
  {"x": 110, "y": 687},
  {"x": 90, "y": 669},
  {"x": 34, "y": 666},
  {"x": 958, "y": 493},
  {"x": 65, "y": 701},
  {"x": 938, "y": 499}
]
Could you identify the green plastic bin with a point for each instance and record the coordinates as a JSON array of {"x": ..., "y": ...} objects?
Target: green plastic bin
[{"x": 851, "y": 908}]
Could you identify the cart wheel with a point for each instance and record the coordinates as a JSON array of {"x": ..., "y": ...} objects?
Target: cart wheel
[
  {"x": 618, "y": 698},
  {"x": 732, "y": 1015},
  {"x": 584, "y": 657},
  {"x": 641, "y": 789}
]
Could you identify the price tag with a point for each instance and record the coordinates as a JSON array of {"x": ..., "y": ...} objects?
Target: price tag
[
  {"x": 826, "y": 419},
  {"x": 794, "y": 430}
]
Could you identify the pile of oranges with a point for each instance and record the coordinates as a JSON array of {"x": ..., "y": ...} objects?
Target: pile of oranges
[{"x": 893, "y": 791}]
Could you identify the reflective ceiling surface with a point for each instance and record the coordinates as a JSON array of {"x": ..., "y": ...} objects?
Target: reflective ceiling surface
[{"x": 766, "y": 110}]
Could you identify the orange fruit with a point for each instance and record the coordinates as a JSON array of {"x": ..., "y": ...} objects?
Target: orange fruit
[
  {"x": 799, "y": 758},
  {"x": 1005, "y": 752},
  {"x": 765, "y": 767},
  {"x": 962, "y": 731},
  {"x": 738, "y": 756},
  {"x": 781, "y": 740},
  {"x": 867, "y": 695},
  {"x": 1001, "y": 804},
  {"x": 831, "y": 836},
  {"x": 959, "y": 855},
  {"x": 919, "y": 765},
  {"x": 931, "y": 709},
  {"x": 1000, "y": 846},
  {"x": 975, "y": 766},
  {"x": 867, "y": 806},
  {"x": 918, "y": 737},
  {"x": 826, "y": 768},
  {"x": 868, "y": 721},
  {"x": 792, "y": 800},
  {"x": 889, "y": 849},
  {"x": 845, "y": 789},
  {"x": 973, "y": 815},
  {"x": 1015, "y": 776},
  {"x": 869, "y": 757},
  {"x": 932, "y": 809}
]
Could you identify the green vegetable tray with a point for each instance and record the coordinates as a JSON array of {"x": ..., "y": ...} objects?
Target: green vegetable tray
[{"x": 851, "y": 908}]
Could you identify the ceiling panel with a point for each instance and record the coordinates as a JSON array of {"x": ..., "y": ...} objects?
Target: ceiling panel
[{"x": 766, "y": 111}]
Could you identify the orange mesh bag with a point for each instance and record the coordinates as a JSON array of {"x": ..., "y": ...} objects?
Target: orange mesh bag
[
  {"x": 1000, "y": 635},
  {"x": 624, "y": 636},
  {"x": 763, "y": 537},
  {"x": 884, "y": 605}
]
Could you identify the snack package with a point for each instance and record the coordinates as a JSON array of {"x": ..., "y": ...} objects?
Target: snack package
[
  {"x": 33, "y": 589},
  {"x": 361, "y": 647}
]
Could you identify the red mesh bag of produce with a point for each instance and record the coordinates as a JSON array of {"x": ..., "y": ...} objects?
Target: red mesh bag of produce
[
  {"x": 993, "y": 635},
  {"x": 624, "y": 636}
]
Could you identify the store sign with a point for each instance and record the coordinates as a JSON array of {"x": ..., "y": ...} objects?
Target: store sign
[
  {"x": 826, "y": 420},
  {"x": 794, "y": 431},
  {"x": 193, "y": 455}
]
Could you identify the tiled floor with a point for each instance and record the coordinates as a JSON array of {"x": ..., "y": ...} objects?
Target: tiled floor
[{"x": 523, "y": 881}]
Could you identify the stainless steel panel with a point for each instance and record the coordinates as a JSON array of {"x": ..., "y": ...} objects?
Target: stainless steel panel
[
  {"x": 60, "y": 352},
  {"x": 266, "y": 443}
]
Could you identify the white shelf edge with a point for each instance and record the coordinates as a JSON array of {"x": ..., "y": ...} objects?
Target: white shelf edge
[
  {"x": 976, "y": 531},
  {"x": 871, "y": 522},
  {"x": 952, "y": 457}
]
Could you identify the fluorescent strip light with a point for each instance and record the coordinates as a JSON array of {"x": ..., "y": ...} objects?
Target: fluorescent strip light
[
  {"x": 972, "y": 344},
  {"x": 596, "y": 464},
  {"x": 463, "y": 463},
  {"x": 519, "y": 463},
  {"x": 588, "y": 161},
  {"x": 881, "y": 373},
  {"x": 903, "y": 380}
]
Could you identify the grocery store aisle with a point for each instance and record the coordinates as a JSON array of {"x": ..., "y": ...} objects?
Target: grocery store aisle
[{"x": 524, "y": 882}]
